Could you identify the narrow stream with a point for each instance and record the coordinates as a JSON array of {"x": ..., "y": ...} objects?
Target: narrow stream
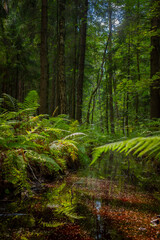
[{"x": 80, "y": 208}]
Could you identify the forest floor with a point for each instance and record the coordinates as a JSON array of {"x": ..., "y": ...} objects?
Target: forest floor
[{"x": 82, "y": 208}]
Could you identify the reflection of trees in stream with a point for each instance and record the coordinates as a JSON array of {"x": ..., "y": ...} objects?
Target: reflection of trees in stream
[
  {"x": 113, "y": 166},
  {"x": 103, "y": 229},
  {"x": 101, "y": 226}
]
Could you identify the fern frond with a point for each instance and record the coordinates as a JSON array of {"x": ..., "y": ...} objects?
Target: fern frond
[
  {"x": 30, "y": 102},
  {"x": 74, "y": 135},
  {"x": 14, "y": 167},
  {"x": 10, "y": 101},
  {"x": 67, "y": 146},
  {"x": 53, "y": 224},
  {"x": 141, "y": 146},
  {"x": 49, "y": 162},
  {"x": 55, "y": 130}
]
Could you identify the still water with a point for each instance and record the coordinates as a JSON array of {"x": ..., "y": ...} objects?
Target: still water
[{"x": 82, "y": 206}]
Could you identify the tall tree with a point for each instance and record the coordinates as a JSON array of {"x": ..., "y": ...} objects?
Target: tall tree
[
  {"x": 83, "y": 33},
  {"x": 155, "y": 61},
  {"x": 75, "y": 62},
  {"x": 44, "y": 59},
  {"x": 138, "y": 57},
  {"x": 110, "y": 79},
  {"x": 61, "y": 63}
]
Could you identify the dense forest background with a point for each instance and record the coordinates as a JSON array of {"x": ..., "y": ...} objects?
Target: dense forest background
[{"x": 96, "y": 61}]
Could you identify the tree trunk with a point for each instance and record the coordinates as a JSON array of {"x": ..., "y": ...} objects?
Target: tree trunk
[
  {"x": 44, "y": 59},
  {"x": 57, "y": 89},
  {"x": 124, "y": 114},
  {"x": 61, "y": 65},
  {"x": 127, "y": 94},
  {"x": 75, "y": 62},
  {"x": 99, "y": 78},
  {"x": 138, "y": 61},
  {"x": 94, "y": 104},
  {"x": 53, "y": 86},
  {"x": 139, "y": 78},
  {"x": 155, "y": 61},
  {"x": 110, "y": 70},
  {"x": 83, "y": 33},
  {"x": 107, "y": 108}
]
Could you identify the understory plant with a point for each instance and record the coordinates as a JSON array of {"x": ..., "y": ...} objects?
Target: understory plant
[
  {"x": 33, "y": 146},
  {"x": 141, "y": 159}
]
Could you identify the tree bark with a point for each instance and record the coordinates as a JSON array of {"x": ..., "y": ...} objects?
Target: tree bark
[
  {"x": 138, "y": 61},
  {"x": 75, "y": 62},
  {"x": 61, "y": 65},
  {"x": 110, "y": 70},
  {"x": 155, "y": 61},
  {"x": 57, "y": 89},
  {"x": 83, "y": 32},
  {"x": 127, "y": 94},
  {"x": 44, "y": 59}
]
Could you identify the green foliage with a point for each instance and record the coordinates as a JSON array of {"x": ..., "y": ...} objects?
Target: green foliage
[
  {"x": 140, "y": 146},
  {"x": 30, "y": 102},
  {"x": 14, "y": 168},
  {"x": 11, "y": 102},
  {"x": 62, "y": 202},
  {"x": 42, "y": 160},
  {"x": 31, "y": 142}
]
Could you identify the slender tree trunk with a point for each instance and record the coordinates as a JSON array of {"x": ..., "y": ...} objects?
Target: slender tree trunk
[
  {"x": 44, "y": 59},
  {"x": 99, "y": 79},
  {"x": 127, "y": 94},
  {"x": 139, "y": 78},
  {"x": 83, "y": 33},
  {"x": 100, "y": 108},
  {"x": 61, "y": 65},
  {"x": 116, "y": 104},
  {"x": 124, "y": 114},
  {"x": 110, "y": 70},
  {"x": 138, "y": 61},
  {"x": 94, "y": 104},
  {"x": 107, "y": 108},
  {"x": 127, "y": 117},
  {"x": 53, "y": 87},
  {"x": 155, "y": 61},
  {"x": 19, "y": 85}
]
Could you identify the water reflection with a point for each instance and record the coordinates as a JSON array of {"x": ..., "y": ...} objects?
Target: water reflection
[
  {"x": 56, "y": 208},
  {"x": 71, "y": 209}
]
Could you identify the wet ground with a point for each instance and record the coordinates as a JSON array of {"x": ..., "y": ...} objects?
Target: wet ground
[{"x": 81, "y": 208}]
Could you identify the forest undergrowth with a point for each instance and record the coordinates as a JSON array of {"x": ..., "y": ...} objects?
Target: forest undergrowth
[{"x": 37, "y": 147}]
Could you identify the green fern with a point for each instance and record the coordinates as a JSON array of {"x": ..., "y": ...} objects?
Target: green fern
[
  {"x": 140, "y": 146},
  {"x": 66, "y": 147},
  {"x": 10, "y": 102},
  {"x": 30, "y": 102},
  {"x": 73, "y": 135},
  {"x": 43, "y": 159},
  {"x": 62, "y": 201},
  {"x": 14, "y": 167}
]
